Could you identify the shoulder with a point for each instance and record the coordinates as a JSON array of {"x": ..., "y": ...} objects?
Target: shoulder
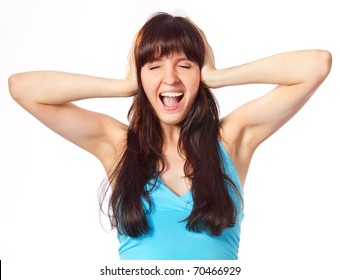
[
  {"x": 113, "y": 146},
  {"x": 233, "y": 137}
]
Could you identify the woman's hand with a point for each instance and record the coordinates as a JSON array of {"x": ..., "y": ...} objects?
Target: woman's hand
[
  {"x": 208, "y": 70},
  {"x": 131, "y": 76}
]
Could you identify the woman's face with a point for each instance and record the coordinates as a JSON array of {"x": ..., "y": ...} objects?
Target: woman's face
[{"x": 171, "y": 84}]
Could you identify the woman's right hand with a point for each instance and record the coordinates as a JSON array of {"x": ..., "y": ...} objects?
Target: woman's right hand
[
  {"x": 131, "y": 67},
  {"x": 49, "y": 96},
  {"x": 208, "y": 69}
]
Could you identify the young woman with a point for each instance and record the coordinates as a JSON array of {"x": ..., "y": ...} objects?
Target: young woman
[{"x": 176, "y": 172}]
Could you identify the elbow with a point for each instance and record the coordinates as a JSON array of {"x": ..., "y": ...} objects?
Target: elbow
[
  {"x": 322, "y": 64},
  {"x": 18, "y": 86},
  {"x": 14, "y": 86}
]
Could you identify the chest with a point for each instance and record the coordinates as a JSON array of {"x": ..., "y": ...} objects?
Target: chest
[{"x": 173, "y": 175}]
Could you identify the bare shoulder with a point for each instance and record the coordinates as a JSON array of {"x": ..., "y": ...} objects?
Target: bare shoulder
[
  {"x": 114, "y": 147},
  {"x": 234, "y": 139}
]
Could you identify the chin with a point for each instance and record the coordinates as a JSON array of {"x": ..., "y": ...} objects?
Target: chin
[{"x": 171, "y": 120}]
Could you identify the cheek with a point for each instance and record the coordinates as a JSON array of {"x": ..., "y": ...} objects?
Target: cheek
[
  {"x": 148, "y": 81},
  {"x": 143, "y": 79},
  {"x": 145, "y": 84},
  {"x": 194, "y": 86},
  {"x": 148, "y": 90},
  {"x": 195, "y": 83},
  {"x": 195, "y": 77}
]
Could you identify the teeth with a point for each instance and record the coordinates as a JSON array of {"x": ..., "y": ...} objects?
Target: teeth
[{"x": 171, "y": 94}]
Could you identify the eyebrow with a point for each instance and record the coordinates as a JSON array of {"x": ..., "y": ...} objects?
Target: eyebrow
[{"x": 178, "y": 59}]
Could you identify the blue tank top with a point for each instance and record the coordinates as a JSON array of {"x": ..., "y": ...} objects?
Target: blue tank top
[{"x": 168, "y": 238}]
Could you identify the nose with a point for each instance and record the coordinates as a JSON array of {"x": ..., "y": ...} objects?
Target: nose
[{"x": 170, "y": 76}]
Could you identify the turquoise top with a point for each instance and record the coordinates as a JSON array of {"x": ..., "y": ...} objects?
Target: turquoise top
[{"x": 168, "y": 238}]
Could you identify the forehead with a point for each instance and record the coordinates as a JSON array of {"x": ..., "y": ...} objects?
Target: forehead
[
  {"x": 166, "y": 50},
  {"x": 166, "y": 39},
  {"x": 174, "y": 56}
]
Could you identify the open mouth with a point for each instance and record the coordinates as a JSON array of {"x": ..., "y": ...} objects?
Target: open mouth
[{"x": 171, "y": 99}]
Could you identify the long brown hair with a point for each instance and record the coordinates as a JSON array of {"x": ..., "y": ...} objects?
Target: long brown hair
[{"x": 213, "y": 209}]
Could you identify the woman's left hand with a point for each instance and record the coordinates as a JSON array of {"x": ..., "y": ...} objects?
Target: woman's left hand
[
  {"x": 208, "y": 70},
  {"x": 131, "y": 75}
]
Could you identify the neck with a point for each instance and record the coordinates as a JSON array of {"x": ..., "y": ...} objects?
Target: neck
[
  {"x": 171, "y": 134},
  {"x": 171, "y": 137},
  {"x": 174, "y": 158}
]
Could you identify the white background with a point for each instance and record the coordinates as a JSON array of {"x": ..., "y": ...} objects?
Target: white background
[{"x": 49, "y": 218}]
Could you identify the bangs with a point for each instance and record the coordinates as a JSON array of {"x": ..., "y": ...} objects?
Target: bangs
[{"x": 165, "y": 35}]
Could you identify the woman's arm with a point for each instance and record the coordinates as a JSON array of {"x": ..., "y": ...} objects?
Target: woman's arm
[
  {"x": 48, "y": 96},
  {"x": 298, "y": 74},
  {"x": 288, "y": 69},
  {"x": 54, "y": 88}
]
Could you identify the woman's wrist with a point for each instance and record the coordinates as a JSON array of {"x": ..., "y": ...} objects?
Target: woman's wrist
[
  {"x": 209, "y": 78},
  {"x": 127, "y": 87},
  {"x": 217, "y": 78}
]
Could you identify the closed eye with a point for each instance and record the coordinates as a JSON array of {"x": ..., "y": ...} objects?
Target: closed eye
[{"x": 153, "y": 67}]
